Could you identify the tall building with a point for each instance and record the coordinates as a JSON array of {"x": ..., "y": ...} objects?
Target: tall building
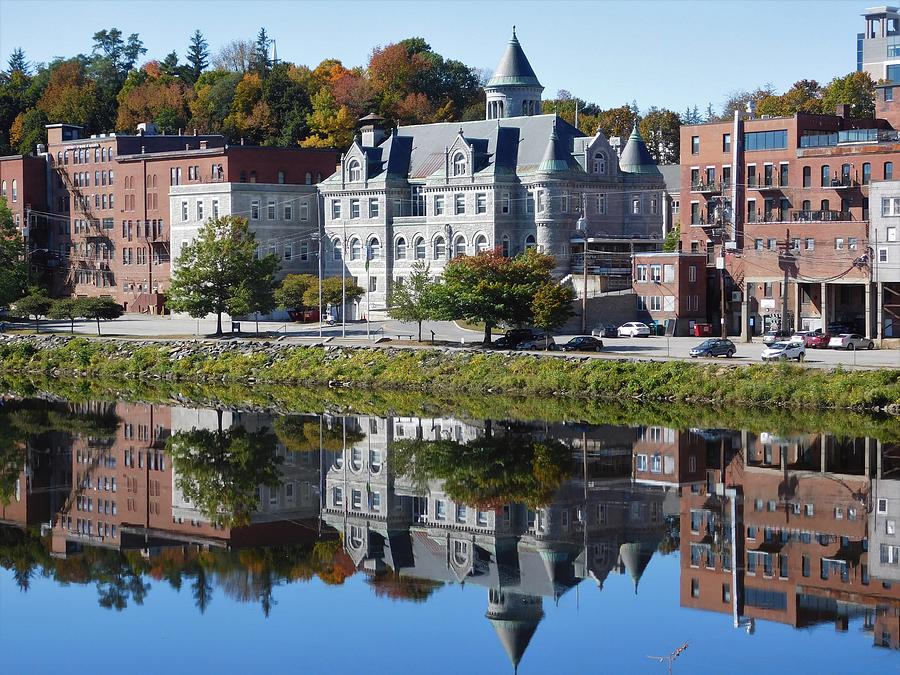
[
  {"x": 878, "y": 48},
  {"x": 517, "y": 180}
]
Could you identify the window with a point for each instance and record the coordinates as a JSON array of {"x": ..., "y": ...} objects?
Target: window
[
  {"x": 892, "y": 234},
  {"x": 655, "y": 273},
  {"x": 695, "y": 213},
  {"x": 529, "y": 242},
  {"x": 270, "y": 209},
  {"x": 866, "y": 173},
  {"x": 336, "y": 250},
  {"x": 504, "y": 203},
  {"x": 726, "y": 142},
  {"x": 773, "y": 244},
  {"x": 504, "y": 246},
  {"x": 184, "y": 211},
  {"x": 288, "y": 250},
  {"x": 888, "y": 170},
  {"x": 461, "y": 513},
  {"x": 199, "y": 209},
  {"x": 374, "y": 249},
  {"x": 288, "y": 211},
  {"x": 354, "y": 208},
  {"x": 839, "y": 244},
  {"x": 601, "y": 204},
  {"x": 440, "y": 248},
  {"x": 354, "y": 171},
  {"x": 459, "y": 164},
  {"x": 459, "y": 246},
  {"x": 807, "y": 176},
  {"x": 401, "y": 249},
  {"x": 440, "y": 509},
  {"x": 852, "y": 243},
  {"x": 481, "y": 244},
  {"x": 304, "y": 211},
  {"x": 765, "y": 140},
  {"x": 636, "y": 204},
  {"x": 890, "y": 206},
  {"x": 695, "y": 588},
  {"x": 420, "y": 248},
  {"x": 254, "y": 209},
  {"x": 439, "y": 205},
  {"x": 335, "y": 209},
  {"x": 355, "y": 249},
  {"x": 640, "y": 273},
  {"x": 304, "y": 250},
  {"x": 373, "y": 207},
  {"x": 695, "y": 145},
  {"x": 481, "y": 203},
  {"x": 668, "y": 273},
  {"x": 459, "y": 204},
  {"x": 356, "y": 499},
  {"x": 783, "y": 177},
  {"x": 826, "y": 176},
  {"x": 767, "y": 289},
  {"x": 653, "y": 206},
  {"x": 375, "y": 502}
]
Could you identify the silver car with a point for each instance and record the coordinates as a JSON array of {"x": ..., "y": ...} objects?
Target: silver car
[{"x": 850, "y": 341}]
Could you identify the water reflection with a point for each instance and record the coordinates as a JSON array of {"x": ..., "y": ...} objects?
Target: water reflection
[{"x": 798, "y": 530}]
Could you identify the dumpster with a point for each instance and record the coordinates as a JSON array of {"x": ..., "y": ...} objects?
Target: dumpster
[{"x": 702, "y": 329}]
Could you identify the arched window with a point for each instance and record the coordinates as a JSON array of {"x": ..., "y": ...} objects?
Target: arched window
[
  {"x": 66, "y": 157},
  {"x": 58, "y": 158},
  {"x": 481, "y": 243},
  {"x": 375, "y": 461},
  {"x": 401, "y": 249},
  {"x": 504, "y": 246},
  {"x": 459, "y": 246},
  {"x": 440, "y": 248},
  {"x": 459, "y": 164},
  {"x": 356, "y": 459},
  {"x": 354, "y": 171},
  {"x": 308, "y": 178},
  {"x": 355, "y": 249},
  {"x": 103, "y": 154},
  {"x": 460, "y": 552},
  {"x": 826, "y": 176},
  {"x": 96, "y": 154},
  {"x": 529, "y": 242},
  {"x": 600, "y": 164},
  {"x": 825, "y": 205},
  {"x": 336, "y": 249},
  {"x": 374, "y": 249},
  {"x": 420, "y": 248},
  {"x": 807, "y": 205},
  {"x": 888, "y": 170},
  {"x": 356, "y": 536}
]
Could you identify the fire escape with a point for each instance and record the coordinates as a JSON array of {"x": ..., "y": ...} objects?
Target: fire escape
[
  {"x": 97, "y": 239},
  {"x": 157, "y": 241}
]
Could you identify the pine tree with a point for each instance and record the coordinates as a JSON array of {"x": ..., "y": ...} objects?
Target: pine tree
[
  {"x": 17, "y": 62},
  {"x": 261, "y": 63},
  {"x": 197, "y": 55}
]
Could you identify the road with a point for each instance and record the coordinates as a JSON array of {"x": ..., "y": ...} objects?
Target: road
[{"x": 656, "y": 348}]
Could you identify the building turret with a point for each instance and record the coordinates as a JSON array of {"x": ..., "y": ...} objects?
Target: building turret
[
  {"x": 635, "y": 157},
  {"x": 515, "y": 617},
  {"x": 514, "y": 90}
]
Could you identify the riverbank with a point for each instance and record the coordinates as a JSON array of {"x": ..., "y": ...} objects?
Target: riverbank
[{"x": 451, "y": 371}]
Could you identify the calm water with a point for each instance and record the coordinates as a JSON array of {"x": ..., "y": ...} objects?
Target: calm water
[{"x": 139, "y": 537}]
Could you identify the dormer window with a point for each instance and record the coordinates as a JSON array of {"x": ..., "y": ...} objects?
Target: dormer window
[
  {"x": 600, "y": 164},
  {"x": 459, "y": 164},
  {"x": 355, "y": 171}
]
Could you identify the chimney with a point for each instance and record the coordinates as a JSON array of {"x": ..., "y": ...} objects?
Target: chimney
[
  {"x": 195, "y": 131},
  {"x": 371, "y": 128},
  {"x": 842, "y": 110}
]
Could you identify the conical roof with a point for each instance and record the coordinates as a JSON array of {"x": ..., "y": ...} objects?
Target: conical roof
[
  {"x": 556, "y": 158},
  {"x": 635, "y": 557},
  {"x": 635, "y": 157},
  {"x": 515, "y": 618},
  {"x": 514, "y": 69}
]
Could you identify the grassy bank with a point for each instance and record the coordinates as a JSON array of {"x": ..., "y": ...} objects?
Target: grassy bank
[{"x": 469, "y": 373}]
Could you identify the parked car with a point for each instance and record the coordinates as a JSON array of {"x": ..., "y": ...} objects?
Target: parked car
[
  {"x": 806, "y": 336},
  {"x": 773, "y": 336},
  {"x": 633, "y": 329},
  {"x": 714, "y": 347},
  {"x": 819, "y": 341},
  {"x": 838, "y": 328},
  {"x": 583, "y": 343},
  {"x": 514, "y": 336},
  {"x": 784, "y": 350},
  {"x": 605, "y": 330},
  {"x": 850, "y": 341},
  {"x": 544, "y": 341}
]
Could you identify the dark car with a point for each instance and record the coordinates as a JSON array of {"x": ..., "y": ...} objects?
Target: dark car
[
  {"x": 605, "y": 330},
  {"x": 516, "y": 335},
  {"x": 583, "y": 343},
  {"x": 714, "y": 347}
]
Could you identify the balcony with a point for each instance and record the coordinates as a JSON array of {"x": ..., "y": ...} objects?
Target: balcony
[
  {"x": 844, "y": 183},
  {"x": 771, "y": 185},
  {"x": 709, "y": 188},
  {"x": 800, "y": 216}
]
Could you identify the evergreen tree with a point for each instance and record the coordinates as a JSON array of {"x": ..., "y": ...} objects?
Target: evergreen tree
[
  {"x": 197, "y": 55},
  {"x": 260, "y": 61},
  {"x": 17, "y": 62}
]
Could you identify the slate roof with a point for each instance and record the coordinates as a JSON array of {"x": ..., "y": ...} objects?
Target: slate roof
[{"x": 514, "y": 69}]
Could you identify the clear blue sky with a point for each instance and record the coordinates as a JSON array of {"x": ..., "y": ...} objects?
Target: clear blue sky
[{"x": 669, "y": 54}]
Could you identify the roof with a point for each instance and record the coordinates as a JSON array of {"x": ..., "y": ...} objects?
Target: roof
[
  {"x": 557, "y": 158},
  {"x": 514, "y": 69},
  {"x": 512, "y": 145},
  {"x": 671, "y": 174},
  {"x": 635, "y": 157}
]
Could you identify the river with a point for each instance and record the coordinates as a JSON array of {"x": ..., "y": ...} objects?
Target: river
[{"x": 147, "y": 537}]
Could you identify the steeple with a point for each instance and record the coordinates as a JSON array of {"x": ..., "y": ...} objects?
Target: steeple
[
  {"x": 635, "y": 157},
  {"x": 514, "y": 89},
  {"x": 515, "y": 618},
  {"x": 556, "y": 158}
]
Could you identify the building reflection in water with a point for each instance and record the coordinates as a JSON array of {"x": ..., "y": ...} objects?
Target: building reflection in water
[{"x": 799, "y": 530}]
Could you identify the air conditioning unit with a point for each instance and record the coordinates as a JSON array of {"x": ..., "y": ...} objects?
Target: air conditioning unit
[{"x": 735, "y": 296}]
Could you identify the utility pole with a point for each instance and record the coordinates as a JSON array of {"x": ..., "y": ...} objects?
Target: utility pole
[
  {"x": 724, "y": 327},
  {"x": 582, "y": 225},
  {"x": 319, "y": 219},
  {"x": 784, "y": 284}
]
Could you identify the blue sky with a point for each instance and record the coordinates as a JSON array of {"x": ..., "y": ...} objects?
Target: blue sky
[{"x": 669, "y": 54}]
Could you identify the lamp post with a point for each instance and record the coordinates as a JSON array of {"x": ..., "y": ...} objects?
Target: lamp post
[{"x": 581, "y": 225}]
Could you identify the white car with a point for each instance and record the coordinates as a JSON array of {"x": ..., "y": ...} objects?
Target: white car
[
  {"x": 850, "y": 341},
  {"x": 633, "y": 329},
  {"x": 782, "y": 351}
]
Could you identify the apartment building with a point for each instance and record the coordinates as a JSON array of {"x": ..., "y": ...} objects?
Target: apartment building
[
  {"x": 109, "y": 197},
  {"x": 885, "y": 245},
  {"x": 878, "y": 48},
  {"x": 780, "y": 207}
]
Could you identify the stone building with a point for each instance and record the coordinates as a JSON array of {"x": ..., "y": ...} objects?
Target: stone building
[{"x": 514, "y": 181}]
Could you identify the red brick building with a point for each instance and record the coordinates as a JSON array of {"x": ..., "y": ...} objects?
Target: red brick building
[
  {"x": 780, "y": 208},
  {"x": 670, "y": 287},
  {"x": 109, "y": 202}
]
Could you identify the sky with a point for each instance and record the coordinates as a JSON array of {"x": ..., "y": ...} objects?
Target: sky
[{"x": 665, "y": 54}]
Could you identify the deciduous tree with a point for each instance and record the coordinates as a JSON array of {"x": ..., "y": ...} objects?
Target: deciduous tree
[
  {"x": 97, "y": 309},
  {"x": 414, "y": 299},
  {"x": 13, "y": 271},
  {"x": 34, "y": 305},
  {"x": 66, "y": 309}
]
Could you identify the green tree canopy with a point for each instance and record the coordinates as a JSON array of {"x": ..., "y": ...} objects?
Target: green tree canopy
[
  {"x": 414, "y": 299},
  {"x": 290, "y": 294},
  {"x": 66, "y": 309},
  {"x": 220, "y": 272},
  {"x": 13, "y": 270},
  {"x": 97, "y": 309},
  {"x": 34, "y": 305}
]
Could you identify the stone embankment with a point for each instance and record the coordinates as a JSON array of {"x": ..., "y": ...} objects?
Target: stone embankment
[{"x": 450, "y": 371}]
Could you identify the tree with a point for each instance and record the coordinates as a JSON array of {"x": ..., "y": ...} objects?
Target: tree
[
  {"x": 197, "y": 56},
  {"x": 13, "y": 270},
  {"x": 260, "y": 62},
  {"x": 70, "y": 96},
  {"x": 551, "y": 306},
  {"x": 236, "y": 56},
  {"x": 290, "y": 294},
  {"x": 330, "y": 125},
  {"x": 804, "y": 96},
  {"x": 413, "y": 299},
  {"x": 219, "y": 272},
  {"x": 212, "y": 100},
  {"x": 66, "y": 309},
  {"x": 673, "y": 236},
  {"x": 616, "y": 121},
  {"x": 661, "y": 131},
  {"x": 18, "y": 63},
  {"x": 288, "y": 106},
  {"x": 36, "y": 304},
  {"x": 856, "y": 89},
  {"x": 333, "y": 293},
  {"x": 738, "y": 100},
  {"x": 491, "y": 289},
  {"x": 96, "y": 309}
]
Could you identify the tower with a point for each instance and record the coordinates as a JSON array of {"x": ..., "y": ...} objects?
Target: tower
[{"x": 513, "y": 90}]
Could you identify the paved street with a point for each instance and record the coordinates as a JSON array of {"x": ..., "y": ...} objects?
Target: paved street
[{"x": 657, "y": 348}]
